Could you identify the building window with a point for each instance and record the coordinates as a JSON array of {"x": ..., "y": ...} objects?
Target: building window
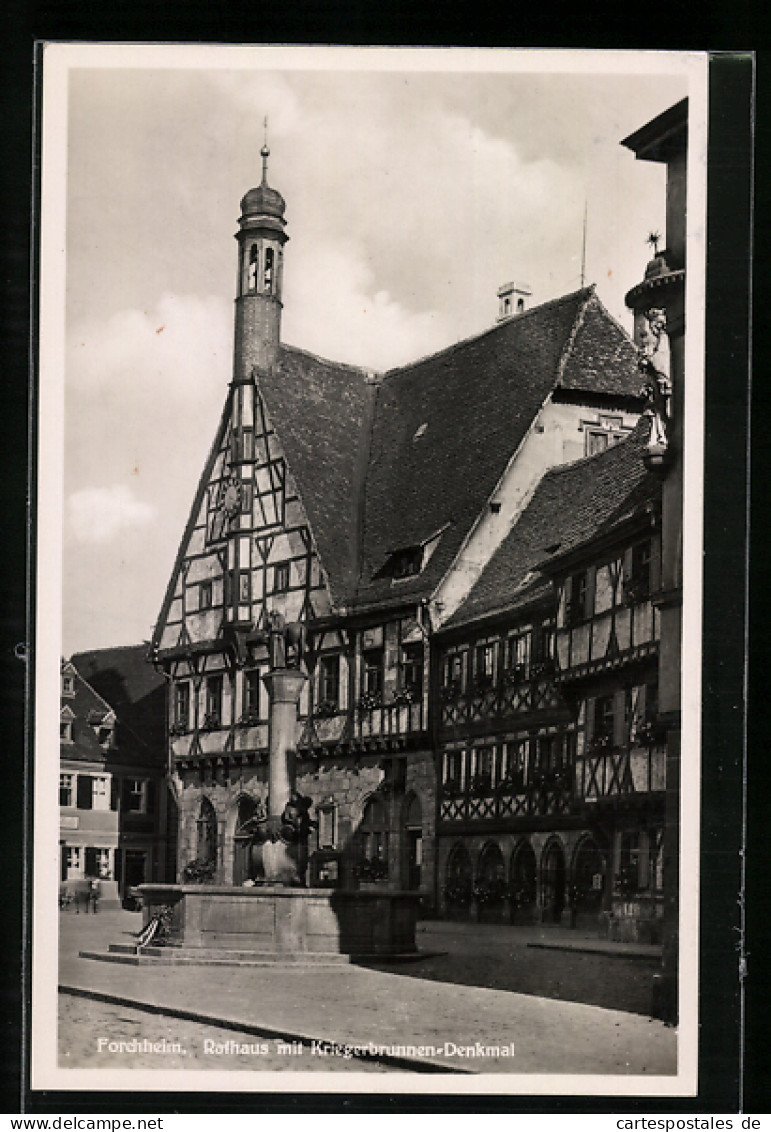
[
  {"x": 136, "y": 795},
  {"x": 600, "y": 439},
  {"x": 182, "y": 705},
  {"x": 372, "y": 680},
  {"x": 514, "y": 760},
  {"x": 205, "y": 595},
  {"x": 412, "y": 670},
  {"x": 68, "y": 685},
  {"x": 373, "y": 841},
  {"x": 269, "y": 254},
  {"x": 406, "y": 563},
  {"x": 244, "y": 587},
  {"x": 484, "y": 664},
  {"x": 326, "y": 819},
  {"x": 604, "y": 721},
  {"x": 329, "y": 682},
  {"x": 482, "y": 774},
  {"x": 252, "y": 693},
  {"x": 65, "y": 730},
  {"x": 452, "y": 672},
  {"x": 281, "y": 577},
  {"x": 72, "y": 859},
  {"x": 213, "y": 716},
  {"x": 637, "y": 586},
  {"x": 575, "y": 604},
  {"x": 103, "y": 864},
  {"x": 206, "y": 832},
  {"x": 66, "y": 789},
  {"x": 452, "y": 772},
  {"x": 251, "y": 277}
]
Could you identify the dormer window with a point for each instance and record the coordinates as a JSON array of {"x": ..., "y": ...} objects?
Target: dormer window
[
  {"x": 406, "y": 563},
  {"x": 68, "y": 684}
]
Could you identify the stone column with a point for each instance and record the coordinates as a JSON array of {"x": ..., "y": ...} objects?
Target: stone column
[{"x": 284, "y": 686}]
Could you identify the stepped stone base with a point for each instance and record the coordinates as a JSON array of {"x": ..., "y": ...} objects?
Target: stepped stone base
[{"x": 214, "y": 924}]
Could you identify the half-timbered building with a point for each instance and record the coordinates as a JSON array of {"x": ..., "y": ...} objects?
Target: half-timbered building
[
  {"x": 550, "y": 765},
  {"x": 365, "y": 506}
]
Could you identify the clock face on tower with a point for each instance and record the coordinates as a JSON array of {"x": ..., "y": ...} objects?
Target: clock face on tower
[{"x": 230, "y": 497}]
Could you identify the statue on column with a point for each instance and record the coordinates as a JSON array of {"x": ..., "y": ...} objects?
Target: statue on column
[{"x": 278, "y": 836}]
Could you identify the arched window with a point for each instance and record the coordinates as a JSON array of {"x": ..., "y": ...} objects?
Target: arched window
[
  {"x": 522, "y": 877},
  {"x": 268, "y": 281},
  {"x": 458, "y": 876},
  {"x": 373, "y": 832},
  {"x": 588, "y": 876},
  {"x": 206, "y": 832},
  {"x": 251, "y": 275},
  {"x": 247, "y": 807}
]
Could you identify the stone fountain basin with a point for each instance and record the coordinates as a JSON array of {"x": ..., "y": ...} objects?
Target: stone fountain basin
[{"x": 292, "y": 922}]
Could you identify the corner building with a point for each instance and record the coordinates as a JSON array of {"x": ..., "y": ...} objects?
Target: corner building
[{"x": 365, "y": 506}]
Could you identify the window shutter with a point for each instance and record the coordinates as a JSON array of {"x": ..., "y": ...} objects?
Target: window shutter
[
  {"x": 591, "y": 582},
  {"x": 150, "y": 796},
  {"x": 114, "y": 793},
  {"x": 85, "y": 794}
]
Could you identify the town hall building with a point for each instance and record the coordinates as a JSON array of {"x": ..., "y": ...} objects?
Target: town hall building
[{"x": 470, "y": 542}]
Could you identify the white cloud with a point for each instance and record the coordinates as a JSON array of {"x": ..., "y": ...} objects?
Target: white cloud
[{"x": 97, "y": 514}]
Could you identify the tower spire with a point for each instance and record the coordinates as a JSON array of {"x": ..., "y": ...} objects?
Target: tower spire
[{"x": 265, "y": 152}]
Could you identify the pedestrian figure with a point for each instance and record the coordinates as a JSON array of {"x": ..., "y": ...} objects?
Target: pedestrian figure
[{"x": 94, "y": 889}]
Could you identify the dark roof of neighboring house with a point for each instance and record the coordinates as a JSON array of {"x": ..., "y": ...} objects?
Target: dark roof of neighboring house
[
  {"x": 573, "y": 505},
  {"x": 322, "y": 414},
  {"x": 130, "y": 684},
  {"x": 477, "y": 401},
  {"x": 87, "y": 707}
]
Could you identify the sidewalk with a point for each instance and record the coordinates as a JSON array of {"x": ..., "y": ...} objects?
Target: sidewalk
[{"x": 356, "y": 1005}]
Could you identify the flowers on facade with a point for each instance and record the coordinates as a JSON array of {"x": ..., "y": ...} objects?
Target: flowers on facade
[
  {"x": 458, "y": 892},
  {"x": 211, "y": 721},
  {"x": 250, "y": 717},
  {"x": 601, "y": 743},
  {"x": 451, "y": 788},
  {"x": 452, "y": 691},
  {"x": 325, "y": 709},
  {"x": 516, "y": 674},
  {"x": 542, "y": 669},
  {"x": 372, "y": 869},
  {"x": 368, "y": 701},
  {"x": 648, "y": 733},
  {"x": 480, "y": 784},
  {"x": 636, "y": 590},
  {"x": 198, "y": 871},
  {"x": 178, "y": 728},
  {"x": 511, "y": 783},
  {"x": 405, "y": 696},
  {"x": 490, "y": 890}
]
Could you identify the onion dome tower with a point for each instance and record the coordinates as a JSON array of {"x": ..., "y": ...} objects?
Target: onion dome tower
[{"x": 261, "y": 238}]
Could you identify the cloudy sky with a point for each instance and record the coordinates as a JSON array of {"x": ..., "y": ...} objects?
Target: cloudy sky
[{"x": 412, "y": 194}]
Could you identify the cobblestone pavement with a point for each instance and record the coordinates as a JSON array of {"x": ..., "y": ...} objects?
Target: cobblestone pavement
[
  {"x": 490, "y": 955},
  {"x": 98, "y": 1035}
]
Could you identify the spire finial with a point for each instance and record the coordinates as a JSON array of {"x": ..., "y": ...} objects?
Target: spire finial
[{"x": 265, "y": 152}]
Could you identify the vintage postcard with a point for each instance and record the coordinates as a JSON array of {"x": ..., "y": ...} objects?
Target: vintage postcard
[{"x": 369, "y": 530}]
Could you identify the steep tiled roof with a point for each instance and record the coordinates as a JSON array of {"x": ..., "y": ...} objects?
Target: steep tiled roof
[
  {"x": 132, "y": 687},
  {"x": 446, "y": 427},
  {"x": 602, "y": 358},
  {"x": 572, "y": 505},
  {"x": 322, "y": 413},
  {"x": 83, "y": 704}
]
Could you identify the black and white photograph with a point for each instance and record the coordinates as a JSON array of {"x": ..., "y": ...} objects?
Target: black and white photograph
[{"x": 369, "y": 554}]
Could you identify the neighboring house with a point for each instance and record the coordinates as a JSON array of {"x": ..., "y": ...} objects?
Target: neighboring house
[
  {"x": 114, "y": 816},
  {"x": 368, "y": 507},
  {"x": 550, "y": 761}
]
